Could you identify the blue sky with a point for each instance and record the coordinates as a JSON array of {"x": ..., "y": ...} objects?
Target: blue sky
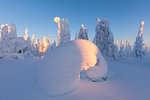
[{"x": 37, "y": 15}]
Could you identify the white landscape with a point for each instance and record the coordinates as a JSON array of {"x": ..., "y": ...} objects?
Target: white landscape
[{"x": 73, "y": 69}]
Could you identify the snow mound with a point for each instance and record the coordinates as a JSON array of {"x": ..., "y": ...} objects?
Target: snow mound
[{"x": 61, "y": 68}]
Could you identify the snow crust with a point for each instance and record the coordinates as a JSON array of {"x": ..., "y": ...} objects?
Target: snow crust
[{"x": 60, "y": 71}]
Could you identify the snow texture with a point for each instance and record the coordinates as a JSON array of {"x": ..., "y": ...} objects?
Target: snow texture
[{"x": 60, "y": 71}]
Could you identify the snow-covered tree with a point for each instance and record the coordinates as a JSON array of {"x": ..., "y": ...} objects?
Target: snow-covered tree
[
  {"x": 63, "y": 30},
  {"x": 138, "y": 50},
  {"x": 128, "y": 49},
  {"x": 117, "y": 47},
  {"x": 83, "y": 33},
  {"x": 104, "y": 39},
  {"x": 122, "y": 50},
  {"x": 14, "y": 32},
  {"x": 53, "y": 45},
  {"x": 26, "y": 34},
  {"x": 76, "y": 36}
]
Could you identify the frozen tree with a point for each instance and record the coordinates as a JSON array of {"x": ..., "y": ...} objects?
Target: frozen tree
[
  {"x": 45, "y": 44},
  {"x": 76, "y": 36},
  {"x": 83, "y": 33},
  {"x": 138, "y": 50},
  {"x": 122, "y": 51},
  {"x": 14, "y": 32},
  {"x": 127, "y": 49},
  {"x": 117, "y": 47},
  {"x": 63, "y": 30},
  {"x": 26, "y": 34},
  {"x": 32, "y": 40},
  {"x": 53, "y": 45},
  {"x": 104, "y": 39},
  {"x": 4, "y": 33}
]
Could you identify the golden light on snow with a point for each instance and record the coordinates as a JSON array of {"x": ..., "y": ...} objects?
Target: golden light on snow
[
  {"x": 45, "y": 44},
  {"x": 82, "y": 25},
  {"x": 9, "y": 29},
  {"x": 122, "y": 42},
  {"x": 26, "y": 34},
  {"x": 40, "y": 46},
  {"x": 98, "y": 19},
  {"x": 117, "y": 43},
  {"x": 127, "y": 43},
  {"x": 141, "y": 28},
  {"x": 36, "y": 42},
  {"x": 32, "y": 39},
  {"x": 2, "y": 26},
  {"x": 142, "y": 23},
  {"x": 56, "y": 19}
]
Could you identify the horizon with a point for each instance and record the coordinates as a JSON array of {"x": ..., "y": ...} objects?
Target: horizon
[{"x": 37, "y": 16}]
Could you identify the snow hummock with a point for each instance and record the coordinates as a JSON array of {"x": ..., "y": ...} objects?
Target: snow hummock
[{"x": 60, "y": 71}]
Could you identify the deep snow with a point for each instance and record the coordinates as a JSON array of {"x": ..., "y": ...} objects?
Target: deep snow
[
  {"x": 128, "y": 80},
  {"x": 60, "y": 71}
]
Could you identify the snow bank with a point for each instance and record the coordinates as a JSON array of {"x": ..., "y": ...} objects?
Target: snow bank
[{"x": 60, "y": 72}]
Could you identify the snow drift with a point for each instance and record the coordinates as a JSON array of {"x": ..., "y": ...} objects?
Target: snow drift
[{"x": 61, "y": 68}]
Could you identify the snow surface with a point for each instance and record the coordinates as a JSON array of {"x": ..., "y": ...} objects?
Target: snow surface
[
  {"x": 128, "y": 80},
  {"x": 60, "y": 71}
]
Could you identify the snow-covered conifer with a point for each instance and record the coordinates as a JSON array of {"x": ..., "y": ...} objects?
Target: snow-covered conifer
[
  {"x": 104, "y": 39},
  {"x": 63, "y": 30},
  {"x": 26, "y": 34},
  {"x": 122, "y": 51},
  {"x": 128, "y": 49},
  {"x": 83, "y": 33},
  {"x": 138, "y": 50}
]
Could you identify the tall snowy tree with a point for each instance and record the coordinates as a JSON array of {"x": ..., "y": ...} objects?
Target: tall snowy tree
[
  {"x": 26, "y": 34},
  {"x": 76, "y": 36},
  {"x": 63, "y": 30},
  {"x": 138, "y": 50},
  {"x": 53, "y": 45},
  {"x": 128, "y": 49},
  {"x": 83, "y": 33},
  {"x": 122, "y": 51},
  {"x": 117, "y": 47},
  {"x": 104, "y": 39},
  {"x": 13, "y": 28}
]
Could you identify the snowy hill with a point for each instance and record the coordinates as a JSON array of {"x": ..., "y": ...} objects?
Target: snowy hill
[{"x": 127, "y": 80}]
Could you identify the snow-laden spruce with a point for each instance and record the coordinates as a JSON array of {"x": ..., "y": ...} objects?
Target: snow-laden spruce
[
  {"x": 63, "y": 30},
  {"x": 122, "y": 50},
  {"x": 61, "y": 68},
  {"x": 138, "y": 49},
  {"x": 83, "y": 33},
  {"x": 128, "y": 49},
  {"x": 104, "y": 39}
]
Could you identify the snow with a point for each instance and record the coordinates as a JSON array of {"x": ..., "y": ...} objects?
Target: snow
[
  {"x": 60, "y": 72},
  {"x": 63, "y": 30},
  {"x": 83, "y": 33},
  {"x": 127, "y": 80},
  {"x": 104, "y": 39}
]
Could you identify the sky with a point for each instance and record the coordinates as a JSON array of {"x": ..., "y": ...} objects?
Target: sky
[{"x": 37, "y": 15}]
